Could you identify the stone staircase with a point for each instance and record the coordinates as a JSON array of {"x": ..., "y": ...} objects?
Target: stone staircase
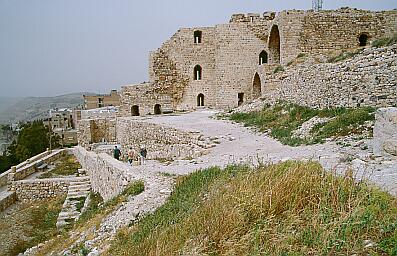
[{"x": 75, "y": 203}]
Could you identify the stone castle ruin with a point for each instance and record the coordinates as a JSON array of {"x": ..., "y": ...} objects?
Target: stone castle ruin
[{"x": 229, "y": 64}]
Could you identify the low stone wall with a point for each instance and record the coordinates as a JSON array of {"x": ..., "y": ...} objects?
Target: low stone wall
[
  {"x": 108, "y": 176},
  {"x": 27, "y": 167},
  {"x": 28, "y": 190},
  {"x": 385, "y": 132},
  {"x": 368, "y": 79},
  {"x": 161, "y": 142},
  {"x": 7, "y": 199},
  {"x": 31, "y": 167}
]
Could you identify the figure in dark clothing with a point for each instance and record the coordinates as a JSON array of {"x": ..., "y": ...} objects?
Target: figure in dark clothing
[
  {"x": 143, "y": 154},
  {"x": 116, "y": 153}
]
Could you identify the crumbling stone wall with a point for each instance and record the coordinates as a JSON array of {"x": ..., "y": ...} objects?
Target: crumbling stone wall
[
  {"x": 368, "y": 79},
  {"x": 109, "y": 177}
]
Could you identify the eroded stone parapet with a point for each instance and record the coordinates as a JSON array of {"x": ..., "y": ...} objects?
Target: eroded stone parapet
[{"x": 385, "y": 132}]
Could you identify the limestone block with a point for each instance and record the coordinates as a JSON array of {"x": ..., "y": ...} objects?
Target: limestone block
[{"x": 390, "y": 146}]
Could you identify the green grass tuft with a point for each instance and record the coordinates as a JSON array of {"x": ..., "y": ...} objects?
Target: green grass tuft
[
  {"x": 386, "y": 41},
  {"x": 283, "y": 118}
]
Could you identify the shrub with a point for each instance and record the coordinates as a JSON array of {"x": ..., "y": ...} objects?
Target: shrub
[
  {"x": 278, "y": 69},
  {"x": 386, "y": 41}
]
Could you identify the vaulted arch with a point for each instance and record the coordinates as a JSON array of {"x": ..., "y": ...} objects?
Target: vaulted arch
[
  {"x": 274, "y": 45},
  {"x": 256, "y": 87}
]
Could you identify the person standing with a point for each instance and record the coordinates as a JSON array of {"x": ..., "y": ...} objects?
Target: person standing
[
  {"x": 143, "y": 154},
  {"x": 116, "y": 153},
  {"x": 130, "y": 155}
]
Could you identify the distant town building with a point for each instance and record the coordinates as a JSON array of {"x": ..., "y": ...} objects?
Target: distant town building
[
  {"x": 61, "y": 122},
  {"x": 101, "y": 100}
]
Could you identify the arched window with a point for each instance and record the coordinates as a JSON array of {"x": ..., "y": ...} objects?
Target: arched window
[
  {"x": 363, "y": 39},
  {"x": 197, "y": 36},
  {"x": 274, "y": 45},
  {"x": 135, "y": 110},
  {"x": 200, "y": 100},
  {"x": 198, "y": 72},
  {"x": 157, "y": 109},
  {"x": 263, "y": 57}
]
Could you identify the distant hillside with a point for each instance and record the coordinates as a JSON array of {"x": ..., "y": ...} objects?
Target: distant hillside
[{"x": 31, "y": 108}]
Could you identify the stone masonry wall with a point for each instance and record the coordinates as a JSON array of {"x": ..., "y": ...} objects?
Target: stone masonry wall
[
  {"x": 27, "y": 190},
  {"x": 96, "y": 131},
  {"x": 368, "y": 79},
  {"x": 145, "y": 97},
  {"x": 336, "y": 30},
  {"x": 109, "y": 177},
  {"x": 160, "y": 141}
]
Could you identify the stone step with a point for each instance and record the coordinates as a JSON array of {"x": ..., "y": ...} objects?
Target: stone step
[
  {"x": 76, "y": 195},
  {"x": 68, "y": 215},
  {"x": 80, "y": 189},
  {"x": 74, "y": 183},
  {"x": 80, "y": 186}
]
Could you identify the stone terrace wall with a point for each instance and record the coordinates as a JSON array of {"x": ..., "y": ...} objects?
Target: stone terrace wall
[
  {"x": 7, "y": 199},
  {"x": 38, "y": 189},
  {"x": 385, "y": 132},
  {"x": 108, "y": 176},
  {"x": 368, "y": 79},
  {"x": 160, "y": 141}
]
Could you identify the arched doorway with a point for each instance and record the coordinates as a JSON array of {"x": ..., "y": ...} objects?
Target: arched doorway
[
  {"x": 135, "y": 110},
  {"x": 157, "y": 109},
  {"x": 274, "y": 45},
  {"x": 200, "y": 100},
  {"x": 363, "y": 39},
  {"x": 256, "y": 87}
]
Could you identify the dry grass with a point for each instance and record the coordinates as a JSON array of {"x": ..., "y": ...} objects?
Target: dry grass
[
  {"x": 293, "y": 208},
  {"x": 24, "y": 225}
]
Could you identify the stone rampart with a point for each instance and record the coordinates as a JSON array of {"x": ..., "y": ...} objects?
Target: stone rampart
[
  {"x": 368, "y": 79},
  {"x": 108, "y": 176}
]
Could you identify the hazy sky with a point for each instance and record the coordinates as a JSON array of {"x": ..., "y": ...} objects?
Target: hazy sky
[{"x": 52, "y": 47}]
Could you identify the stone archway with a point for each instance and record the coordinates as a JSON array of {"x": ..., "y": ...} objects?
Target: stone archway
[
  {"x": 363, "y": 39},
  {"x": 200, "y": 100},
  {"x": 135, "y": 110},
  {"x": 157, "y": 109},
  {"x": 274, "y": 45},
  {"x": 256, "y": 87}
]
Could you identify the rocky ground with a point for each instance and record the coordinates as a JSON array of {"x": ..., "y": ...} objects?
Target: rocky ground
[{"x": 234, "y": 144}]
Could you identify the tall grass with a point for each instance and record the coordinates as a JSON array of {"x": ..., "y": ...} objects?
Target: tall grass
[
  {"x": 293, "y": 208},
  {"x": 283, "y": 118}
]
